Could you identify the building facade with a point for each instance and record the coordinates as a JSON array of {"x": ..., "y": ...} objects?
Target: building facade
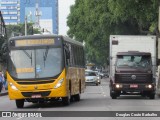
[
  {"x": 10, "y": 10},
  {"x": 44, "y": 13}
]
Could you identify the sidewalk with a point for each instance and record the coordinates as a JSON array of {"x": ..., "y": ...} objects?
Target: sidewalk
[{"x": 4, "y": 92}]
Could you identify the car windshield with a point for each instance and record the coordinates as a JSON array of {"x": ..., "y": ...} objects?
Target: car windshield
[
  {"x": 35, "y": 63},
  {"x": 133, "y": 61},
  {"x": 90, "y": 73}
]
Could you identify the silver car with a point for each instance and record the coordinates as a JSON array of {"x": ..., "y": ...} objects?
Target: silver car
[{"x": 91, "y": 77}]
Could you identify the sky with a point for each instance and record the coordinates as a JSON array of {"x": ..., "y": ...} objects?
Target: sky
[{"x": 64, "y": 10}]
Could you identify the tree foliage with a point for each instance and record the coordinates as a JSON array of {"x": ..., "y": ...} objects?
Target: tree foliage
[
  {"x": 20, "y": 29},
  {"x": 92, "y": 21}
]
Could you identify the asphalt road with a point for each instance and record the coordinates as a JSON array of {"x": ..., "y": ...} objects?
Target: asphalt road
[{"x": 94, "y": 101}]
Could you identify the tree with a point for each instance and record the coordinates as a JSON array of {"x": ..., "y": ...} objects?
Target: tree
[
  {"x": 93, "y": 21},
  {"x": 144, "y": 13},
  {"x": 20, "y": 29}
]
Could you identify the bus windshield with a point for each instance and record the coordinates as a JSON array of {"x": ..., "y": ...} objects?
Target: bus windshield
[{"x": 35, "y": 63}]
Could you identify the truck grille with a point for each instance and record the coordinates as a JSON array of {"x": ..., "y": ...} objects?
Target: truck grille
[{"x": 133, "y": 78}]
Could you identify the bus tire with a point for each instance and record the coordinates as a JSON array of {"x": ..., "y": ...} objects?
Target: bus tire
[
  {"x": 20, "y": 103},
  {"x": 66, "y": 101},
  {"x": 77, "y": 97}
]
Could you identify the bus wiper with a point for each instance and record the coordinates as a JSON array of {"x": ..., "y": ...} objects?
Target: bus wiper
[
  {"x": 45, "y": 55},
  {"x": 30, "y": 56}
]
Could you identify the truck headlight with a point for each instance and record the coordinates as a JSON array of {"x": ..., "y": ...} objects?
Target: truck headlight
[
  {"x": 149, "y": 86},
  {"x": 59, "y": 83},
  {"x": 13, "y": 86},
  {"x": 118, "y": 86}
]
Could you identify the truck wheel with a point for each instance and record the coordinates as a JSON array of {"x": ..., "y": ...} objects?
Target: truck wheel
[
  {"x": 113, "y": 95},
  {"x": 20, "y": 103},
  {"x": 152, "y": 96}
]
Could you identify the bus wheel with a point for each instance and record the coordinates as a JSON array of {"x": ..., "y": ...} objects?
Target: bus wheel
[
  {"x": 20, "y": 103},
  {"x": 66, "y": 101},
  {"x": 77, "y": 97}
]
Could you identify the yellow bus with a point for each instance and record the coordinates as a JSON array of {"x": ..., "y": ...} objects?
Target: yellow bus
[{"x": 44, "y": 68}]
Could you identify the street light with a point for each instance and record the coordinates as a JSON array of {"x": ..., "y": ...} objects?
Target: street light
[
  {"x": 26, "y": 18},
  {"x": 25, "y": 25}
]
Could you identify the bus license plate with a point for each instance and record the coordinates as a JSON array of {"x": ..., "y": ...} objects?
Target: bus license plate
[
  {"x": 37, "y": 96},
  {"x": 133, "y": 86}
]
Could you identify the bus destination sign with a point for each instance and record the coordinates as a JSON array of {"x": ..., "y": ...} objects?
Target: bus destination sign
[{"x": 34, "y": 42}]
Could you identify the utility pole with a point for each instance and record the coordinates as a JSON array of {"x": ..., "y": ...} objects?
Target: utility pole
[
  {"x": 159, "y": 19},
  {"x": 158, "y": 37},
  {"x": 25, "y": 25}
]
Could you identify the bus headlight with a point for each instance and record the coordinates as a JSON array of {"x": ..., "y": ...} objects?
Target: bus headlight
[
  {"x": 13, "y": 86},
  {"x": 59, "y": 83}
]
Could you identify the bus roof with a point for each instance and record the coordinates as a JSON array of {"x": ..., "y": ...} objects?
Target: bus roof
[
  {"x": 65, "y": 38},
  {"x": 72, "y": 40}
]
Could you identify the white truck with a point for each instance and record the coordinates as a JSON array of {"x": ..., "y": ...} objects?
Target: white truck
[
  {"x": 158, "y": 70},
  {"x": 132, "y": 65}
]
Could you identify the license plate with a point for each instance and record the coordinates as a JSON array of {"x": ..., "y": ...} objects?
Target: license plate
[
  {"x": 37, "y": 96},
  {"x": 134, "y": 86}
]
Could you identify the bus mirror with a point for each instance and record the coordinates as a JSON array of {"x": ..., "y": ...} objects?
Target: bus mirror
[{"x": 67, "y": 54}]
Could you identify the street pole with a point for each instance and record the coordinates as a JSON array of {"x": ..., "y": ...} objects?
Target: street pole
[
  {"x": 159, "y": 19},
  {"x": 25, "y": 25},
  {"x": 158, "y": 52}
]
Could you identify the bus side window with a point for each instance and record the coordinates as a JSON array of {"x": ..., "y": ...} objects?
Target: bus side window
[{"x": 67, "y": 55}]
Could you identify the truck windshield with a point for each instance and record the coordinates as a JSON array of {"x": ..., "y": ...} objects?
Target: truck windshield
[
  {"x": 35, "y": 63},
  {"x": 142, "y": 61}
]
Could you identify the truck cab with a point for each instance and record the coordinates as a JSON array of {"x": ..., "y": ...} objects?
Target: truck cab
[{"x": 133, "y": 75}]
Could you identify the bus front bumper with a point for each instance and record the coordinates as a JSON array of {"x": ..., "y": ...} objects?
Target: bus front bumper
[{"x": 51, "y": 93}]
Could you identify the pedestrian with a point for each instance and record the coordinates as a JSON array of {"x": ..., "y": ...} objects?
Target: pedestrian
[{"x": 1, "y": 81}]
